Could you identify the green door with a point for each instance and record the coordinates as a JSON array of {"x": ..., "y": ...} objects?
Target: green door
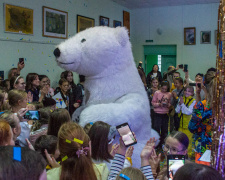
[
  {"x": 150, "y": 61},
  {"x": 166, "y": 61}
]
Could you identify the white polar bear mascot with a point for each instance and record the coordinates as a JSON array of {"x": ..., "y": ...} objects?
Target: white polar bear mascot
[{"x": 116, "y": 93}]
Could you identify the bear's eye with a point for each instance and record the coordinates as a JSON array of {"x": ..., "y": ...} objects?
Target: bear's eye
[{"x": 83, "y": 40}]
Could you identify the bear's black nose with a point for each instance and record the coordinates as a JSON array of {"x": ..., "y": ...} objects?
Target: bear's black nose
[{"x": 56, "y": 52}]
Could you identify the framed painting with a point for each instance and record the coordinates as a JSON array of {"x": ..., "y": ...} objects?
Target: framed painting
[
  {"x": 116, "y": 23},
  {"x": 103, "y": 21},
  {"x": 18, "y": 19},
  {"x": 84, "y": 23},
  {"x": 126, "y": 20},
  {"x": 205, "y": 37},
  {"x": 189, "y": 36},
  {"x": 55, "y": 23}
]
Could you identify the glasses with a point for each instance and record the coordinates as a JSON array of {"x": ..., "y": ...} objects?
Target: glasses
[{"x": 166, "y": 148}]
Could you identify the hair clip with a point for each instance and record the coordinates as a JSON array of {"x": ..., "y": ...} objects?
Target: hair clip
[
  {"x": 16, "y": 80},
  {"x": 91, "y": 123},
  {"x": 17, "y": 153},
  {"x": 124, "y": 176},
  {"x": 65, "y": 158},
  {"x": 68, "y": 141},
  {"x": 78, "y": 141},
  {"x": 82, "y": 151}
]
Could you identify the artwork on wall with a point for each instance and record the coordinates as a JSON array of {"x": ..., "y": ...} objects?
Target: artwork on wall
[
  {"x": 189, "y": 36},
  {"x": 55, "y": 23},
  {"x": 84, "y": 23},
  {"x": 126, "y": 20},
  {"x": 103, "y": 21},
  {"x": 18, "y": 19},
  {"x": 205, "y": 37},
  {"x": 116, "y": 23}
]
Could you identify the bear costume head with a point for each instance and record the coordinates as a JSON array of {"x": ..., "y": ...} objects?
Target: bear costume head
[{"x": 114, "y": 92}]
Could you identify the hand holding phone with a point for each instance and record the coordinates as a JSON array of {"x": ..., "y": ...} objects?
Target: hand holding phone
[
  {"x": 126, "y": 134},
  {"x": 174, "y": 162},
  {"x": 32, "y": 115}
]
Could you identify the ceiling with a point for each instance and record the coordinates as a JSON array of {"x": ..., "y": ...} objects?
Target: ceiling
[{"x": 134, "y": 4}]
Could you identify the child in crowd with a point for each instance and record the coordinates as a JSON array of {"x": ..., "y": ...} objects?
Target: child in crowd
[
  {"x": 32, "y": 86},
  {"x": 6, "y": 134},
  {"x": 74, "y": 146},
  {"x": 62, "y": 97},
  {"x": 155, "y": 73},
  {"x": 175, "y": 75},
  {"x": 49, "y": 102},
  {"x": 87, "y": 127},
  {"x": 57, "y": 118},
  {"x": 176, "y": 94},
  {"x": 45, "y": 83},
  {"x": 17, "y": 82},
  {"x": 151, "y": 91},
  {"x": 184, "y": 109},
  {"x": 161, "y": 102},
  {"x": 4, "y": 103},
  {"x": 49, "y": 143}
]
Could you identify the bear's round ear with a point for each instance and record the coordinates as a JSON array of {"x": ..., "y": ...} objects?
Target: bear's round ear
[{"x": 122, "y": 35}]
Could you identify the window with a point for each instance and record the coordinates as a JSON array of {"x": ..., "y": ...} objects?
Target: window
[{"x": 159, "y": 62}]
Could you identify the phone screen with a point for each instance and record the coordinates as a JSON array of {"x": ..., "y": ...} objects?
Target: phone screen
[
  {"x": 21, "y": 60},
  {"x": 185, "y": 68},
  {"x": 32, "y": 115},
  {"x": 174, "y": 162},
  {"x": 126, "y": 134}
]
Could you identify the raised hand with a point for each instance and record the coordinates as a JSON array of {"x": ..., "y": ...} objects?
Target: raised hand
[{"x": 51, "y": 160}]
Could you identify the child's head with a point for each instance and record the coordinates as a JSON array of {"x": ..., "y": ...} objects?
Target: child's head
[
  {"x": 17, "y": 98},
  {"x": 6, "y": 134},
  {"x": 189, "y": 91},
  {"x": 176, "y": 75},
  {"x": 74, "y": 147},
  {"x": 178, "y": 82},
  {"x": 4, "y": 104},
  {"x": 64, "y": 85},
  {"x": 32, "y": 81},
  {"x": 199, "y": 78},
  {"x": 32, "y": 165},
  {"x": 49, "y": 102},
  {"x": 57, "y": 118},
  {"x": 155, "y": 68},
  {"x": 31, "y": 107},
  {"x": 99, "y": 135},
  {"x": 87, "y": 127},
  {"x": 68, "y": 75},
  {"x": 12, "y": 73},
  {"x": 49, "y": 143},
  {"x": 176, "y": 143},
  {"x": 43, "y": 80},
  {"x": 13, "y": 121},
  {"x": 155, "y": 82},
  {"x": 17, "y": 82},
  {"x": 132, "y": 173},
  {"x": 165, "y": 87}
]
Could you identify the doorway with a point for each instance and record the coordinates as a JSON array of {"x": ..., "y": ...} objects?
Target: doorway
[{"x": 162, "y": 55}]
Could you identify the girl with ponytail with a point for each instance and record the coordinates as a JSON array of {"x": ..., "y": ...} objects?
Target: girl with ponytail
[{"x": 75, "y": 147}]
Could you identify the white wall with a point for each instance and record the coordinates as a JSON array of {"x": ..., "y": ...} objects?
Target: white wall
[
  {"x": 172, "y": 21},
  {"x": 38, "y": 53}
]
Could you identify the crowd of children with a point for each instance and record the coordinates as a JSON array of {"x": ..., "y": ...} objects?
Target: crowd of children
[{"x": 54, "y": 147}]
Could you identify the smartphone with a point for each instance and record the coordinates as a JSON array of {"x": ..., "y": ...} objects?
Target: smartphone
[
  {"x": 126, "y": 134},
  {"x": 199, "y": 85},
  {"x": 21, "y": 60},
  {"x": 192, "y": 84},
  {"x": 174, "y": 162},
  {"x": 185, "y": 68},
  {"x": 32, "y": 115},
  {"x": 181, "y": 66}
]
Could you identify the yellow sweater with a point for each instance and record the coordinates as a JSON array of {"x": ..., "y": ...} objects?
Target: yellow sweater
[{"x": 101, "y": 171}]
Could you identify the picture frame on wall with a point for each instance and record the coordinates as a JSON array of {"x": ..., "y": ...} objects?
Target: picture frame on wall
[
  {"x": 55, "y": 23},
  {"x": 103, "y": 21},
  {"x": 84, "y": 23},
  {"x": 126, "y": 20},
  {"x": 117, "y": 23},
  {"x": 190, "y": 36},
  {"x": 18, "y": 19},
  {"x": 205, "y": 37}
]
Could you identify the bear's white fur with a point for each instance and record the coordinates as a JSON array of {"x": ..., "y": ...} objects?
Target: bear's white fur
[{"x": 116, "y": 92}]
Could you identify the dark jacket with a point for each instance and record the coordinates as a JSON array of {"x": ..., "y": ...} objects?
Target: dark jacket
[{"x": 149, "y": 78}]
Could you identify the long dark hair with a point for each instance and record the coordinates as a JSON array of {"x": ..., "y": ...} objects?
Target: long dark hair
[
  {"x": 99, "y": 141},
  {"x": 181, "y": 137},
  {"x": 29, "y": 79},
  {"x": 65, "y": 74}
]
